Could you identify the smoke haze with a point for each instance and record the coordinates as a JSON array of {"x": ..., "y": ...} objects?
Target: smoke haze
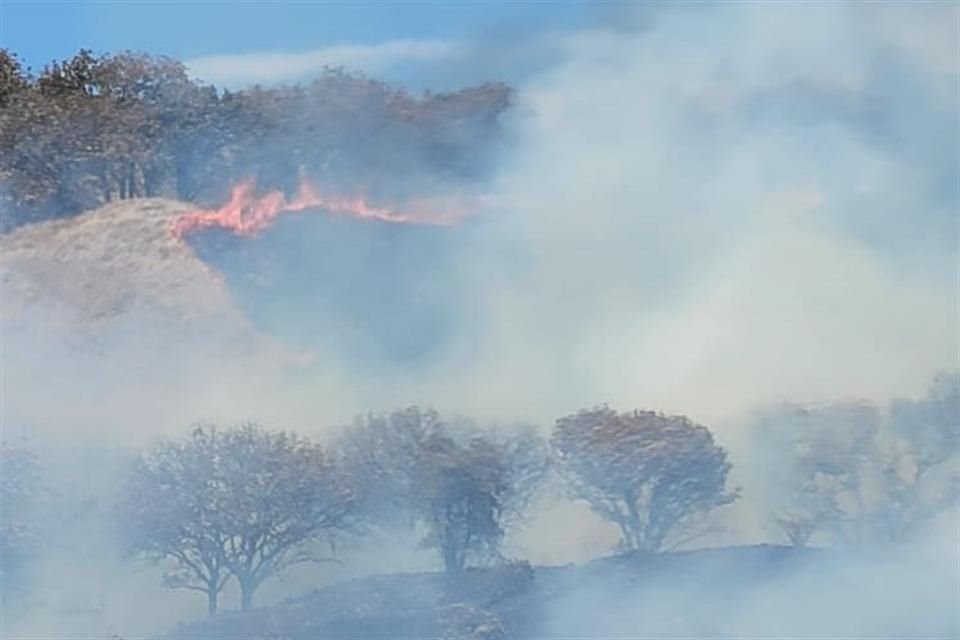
[{"x": 703, "y": 211}]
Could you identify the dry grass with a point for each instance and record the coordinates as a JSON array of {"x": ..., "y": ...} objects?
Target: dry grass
[
  {"x": 103, "y": 262},
  {"x": 119, "y": 266}
]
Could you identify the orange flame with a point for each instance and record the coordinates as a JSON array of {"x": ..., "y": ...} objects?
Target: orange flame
[{"x": 247, "y": 214}]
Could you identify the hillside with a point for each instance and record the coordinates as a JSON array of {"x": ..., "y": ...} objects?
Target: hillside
[
  {"x": 119, "y": 266},
  {"x": 115, "y": 267},
  {"x": 110, "y": 304},
  {"x": 519, "y": 602},
  {"x": 762, "y": 591},
  {"x": 97, "y": 265}
]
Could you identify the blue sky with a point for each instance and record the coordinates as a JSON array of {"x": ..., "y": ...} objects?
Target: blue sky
[{"x": 40, "y": 31}]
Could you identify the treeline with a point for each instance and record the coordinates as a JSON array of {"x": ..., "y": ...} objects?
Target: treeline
[
  {"x": 245, "y": 503},
  {"x": 93, "y": 129}
]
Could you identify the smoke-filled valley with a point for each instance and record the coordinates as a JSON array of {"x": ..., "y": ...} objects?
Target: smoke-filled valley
[{"x": 661, "y": 340}]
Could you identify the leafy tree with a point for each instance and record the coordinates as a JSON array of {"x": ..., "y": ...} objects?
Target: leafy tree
[
  {"x": 462, "y": 489},
  {"x": 241, "y": 502},
  {"x": 651, "y": 474},
  {"x": 96, "y": 128},
  {"x": 464, "y": 485},
  {"x": 13, "y": 78}
]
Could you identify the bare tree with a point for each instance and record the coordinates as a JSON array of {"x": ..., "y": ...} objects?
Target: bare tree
[
  {"x": 285, "y": 492},
  {"x": 816, "y": 484},
  {"x": 175, "y": 508},
  {"x": 648, "y": 473},
  {"x": 240, "y": 502},
  {"x": 853, "y": 474}
]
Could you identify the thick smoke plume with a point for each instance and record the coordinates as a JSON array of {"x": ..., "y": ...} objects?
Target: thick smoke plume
[
  {"x": 701, "y": 229},
  {"x": 710, "y": 228}
]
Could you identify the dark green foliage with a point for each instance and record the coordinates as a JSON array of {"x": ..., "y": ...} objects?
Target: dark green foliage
[{"x": 97, "y": 128}]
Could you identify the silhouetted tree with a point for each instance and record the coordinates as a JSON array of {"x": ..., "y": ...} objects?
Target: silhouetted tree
[
  {"x": 472, "y": 488},
  {"x": 241, "y": 502},
  {"x": 175, "y": 508},
  {"x": 462, "y": 489},
  {"x": 464, "y": 484},
  {"x": 648, "y": 473},
  {"x": 285, "y": 492}
]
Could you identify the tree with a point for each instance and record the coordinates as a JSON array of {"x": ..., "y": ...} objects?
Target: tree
[
  {"x": 384, "y": 455},
  {"x": 465, "y": 485},
  {"x": 13, "y": 79},
  {"x": 930, "y": 427},
  {"x": 175, "y": 508},
  {"x": 95, "y": 128},
  {"x": 285, "y": 492},
  {"x": 853, "y": 474},
  {"x": 651, "y": 474},
  {"x": 240, "y": 502},
  {"x": 462, "y": 492},
  {"x": 922, "y": 477},
  {"x": 816, "y": 482}
]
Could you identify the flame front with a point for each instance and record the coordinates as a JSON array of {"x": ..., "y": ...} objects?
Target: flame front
[{"x": 245, "y": 213}]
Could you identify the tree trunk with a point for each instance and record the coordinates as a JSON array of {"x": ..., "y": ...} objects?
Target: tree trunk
[
  {"x": 453, "y": 564},
  {"x": 627, "y": 539},
  {"x": 212, "y": 601},
  {"x": 632, "y": 527},
  {"x": 454, "y": 561},
  {"x": 247, "y": 587}
]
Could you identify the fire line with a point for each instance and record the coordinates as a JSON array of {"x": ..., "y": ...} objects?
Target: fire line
[{"x": 246, "y": 213}]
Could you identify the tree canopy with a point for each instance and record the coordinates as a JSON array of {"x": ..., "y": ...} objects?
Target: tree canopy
[
  {"x": 463, "y": 484},
  {"x": 648, "y": 473},
  {"x": 241, "y": 502},
  {"x": 97, "y": 128}
]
